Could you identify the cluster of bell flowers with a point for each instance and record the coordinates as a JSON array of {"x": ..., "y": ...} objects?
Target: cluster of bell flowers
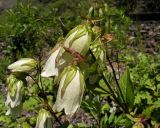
[
  {"x": 71, "y": 81},
  {"x": 61, "y": 63},
  {"x": 76, "y": 44},
  {"x": 70, "y": 78}
]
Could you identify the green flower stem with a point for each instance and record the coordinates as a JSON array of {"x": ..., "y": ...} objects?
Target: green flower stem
[
  {"x": 35, "y": 81},
  {"x": 52, "y": 112},
  {"x": 115, "y": 78},
  {"x": 109, "y": 86},
  {"x": 45, "y": 100}
]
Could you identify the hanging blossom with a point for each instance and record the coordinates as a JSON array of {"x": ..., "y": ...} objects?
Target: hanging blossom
[
  {"x": 15, "y": 94},
  {"x": 44, "y": 119},
  {"x": 75, "y": 44},
  {"x": 78, "y": 39},
  {"x": 71, "y": 89},
  {"x": 50, "y": 68}
]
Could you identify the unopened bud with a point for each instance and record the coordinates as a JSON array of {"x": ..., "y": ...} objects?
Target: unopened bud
[{"x": 23, "y": 65}]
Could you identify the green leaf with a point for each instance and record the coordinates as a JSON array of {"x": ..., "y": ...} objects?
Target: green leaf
[
  {"x": 126, "y": 89},
  {"x": 143, "y": 96},
  {"x": 111, "y": 118},
  {"x": 104, "y": 121},
  {"x": 105, "y": 107},
  {"x": 81, "y": 125},
  {"x": 150, "y": 109},
  {"x": 103, "y": 85}
]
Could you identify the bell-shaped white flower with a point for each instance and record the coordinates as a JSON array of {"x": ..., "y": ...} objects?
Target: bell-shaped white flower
[
  {"x": 58, "y": 59},
  {"x": 44, "y": 119},
  {"x": 23, "y": 65},
  {"x": 71, "y": 89},
  {"x": 15, "y": 94},
  {"x": 50, "y": 68},
  {"x": 78, "y": 39}
]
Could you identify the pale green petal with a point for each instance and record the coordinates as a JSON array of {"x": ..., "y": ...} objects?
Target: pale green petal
[
  {"x": 15, "y": 100},
  {"x": 69, "y": 39},
  {"x": 81, "y": 45},
  {"x": 69, "y": 77},
  {"x": 59, "y": 103},
  {"x": 72, "y": 96},
  {"x": 15, "y": 94},
  {"x": 44, "y": 119},
  {"x": 78, "y": 40}
]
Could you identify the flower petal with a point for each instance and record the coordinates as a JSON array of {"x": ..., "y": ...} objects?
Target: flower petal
[
  {"x": 50, "y": 68},
  {"x": 70, "y": 100}
]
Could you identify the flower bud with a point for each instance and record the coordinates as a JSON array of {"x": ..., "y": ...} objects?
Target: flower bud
[
  {"x": 98, "y": 50},
  {"x": 44, "y": 119},
  {"x": 78, "y": 39},
  {"x": 23, "y": 65},
  {"x": 15, "y": 94},
  {"x": 71, "y": 89}
]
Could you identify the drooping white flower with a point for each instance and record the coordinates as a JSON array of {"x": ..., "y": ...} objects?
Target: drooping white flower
[
  {"x": 71, "y": 89},
  {"x": 58, "y": 59},
  {"x": 78, "y": 39},
  {"x": 44, "y": 119},
  {"x": 23, "y": 65},
  {"x": 15, "y": 94},
  {"x": 50, "y": 68}
]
